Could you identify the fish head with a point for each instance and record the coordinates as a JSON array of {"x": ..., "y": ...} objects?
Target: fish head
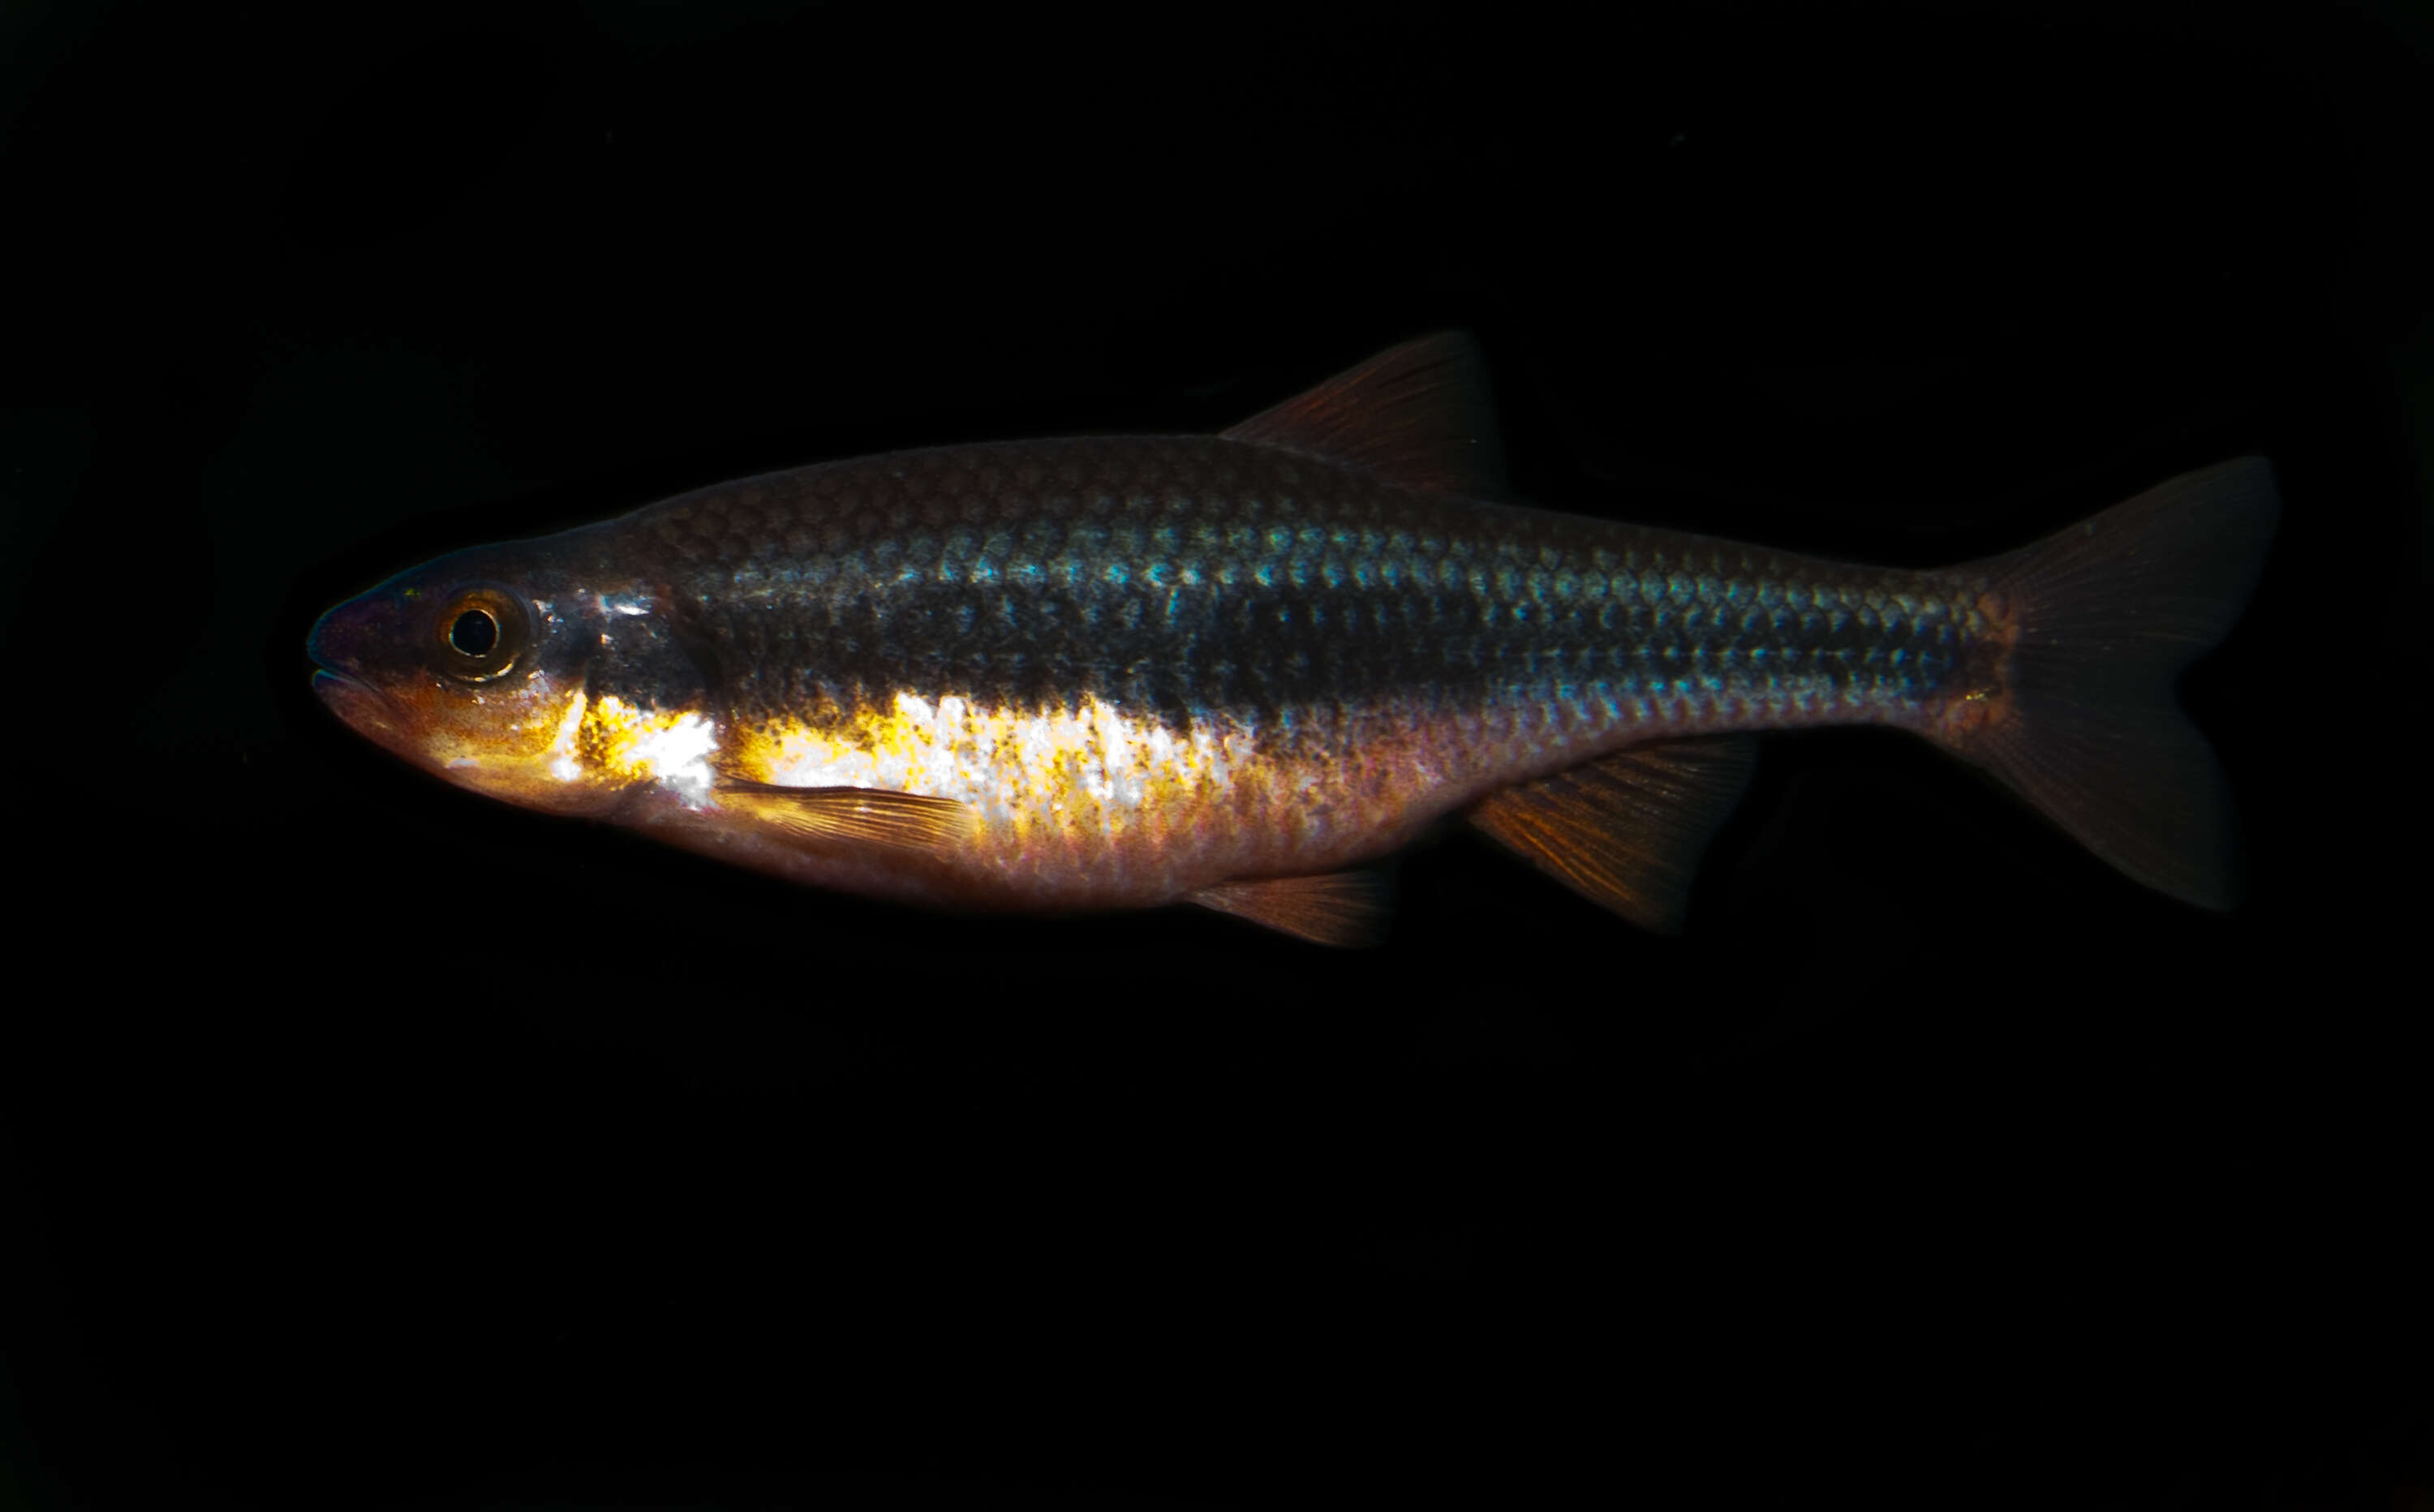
[{"x": 509, "y": 672}]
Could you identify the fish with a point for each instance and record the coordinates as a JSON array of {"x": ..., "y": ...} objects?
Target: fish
[{"x": 1236, "y": 671}]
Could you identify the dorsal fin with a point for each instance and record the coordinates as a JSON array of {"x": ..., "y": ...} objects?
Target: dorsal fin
[
  {"x": 1625, "y": 830},
  {"x": 1417, "y": 414}
]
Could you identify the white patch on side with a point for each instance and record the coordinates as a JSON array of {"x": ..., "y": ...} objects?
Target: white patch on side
[{"x": 679, "y": 757}]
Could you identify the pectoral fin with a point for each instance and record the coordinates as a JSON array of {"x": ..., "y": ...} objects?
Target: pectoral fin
[
  {"x": 1625, "y": 831},
  {"x": 1334, "y": 908},
  {"x": 825, "y": 816}
]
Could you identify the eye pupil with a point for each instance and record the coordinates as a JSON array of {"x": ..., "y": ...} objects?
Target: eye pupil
[{"x": 473, "y": 633}]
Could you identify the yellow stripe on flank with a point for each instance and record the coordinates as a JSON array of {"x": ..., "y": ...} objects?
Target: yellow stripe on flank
[{"x": 1055, "y": 766}]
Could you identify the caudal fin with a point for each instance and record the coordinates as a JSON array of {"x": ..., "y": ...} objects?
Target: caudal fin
[{"x": 2105, "y": 615}]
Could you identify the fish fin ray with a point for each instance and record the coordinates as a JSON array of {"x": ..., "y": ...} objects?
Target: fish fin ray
[
  {"x": 829, "y": 817},
  {"x": 1418, "y": 415},
  {"x": 2105, "y": 615},
  {"x": 1625, "y": 831},
  {"x": 1343, "y": 908}
]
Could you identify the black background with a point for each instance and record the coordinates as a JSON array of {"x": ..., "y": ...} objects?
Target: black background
[{"x": 370, "y": 1145}]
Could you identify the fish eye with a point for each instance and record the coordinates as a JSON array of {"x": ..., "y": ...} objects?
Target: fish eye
[
  {"x": 480, "y": 633},
  {"x": 475, "y": 632}
]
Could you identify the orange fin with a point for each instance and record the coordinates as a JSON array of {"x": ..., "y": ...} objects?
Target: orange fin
[
  {"x": 2105, "y": 615},
  {"x": 1332, "y": 909},
  {"x": 855, "y": 816},
  {"x": 1625, "y": 831},
  {"x": 1418, "y": 415}
]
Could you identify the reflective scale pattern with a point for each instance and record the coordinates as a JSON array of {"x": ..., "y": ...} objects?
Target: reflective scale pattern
[{"x": 1105, "y": 644}]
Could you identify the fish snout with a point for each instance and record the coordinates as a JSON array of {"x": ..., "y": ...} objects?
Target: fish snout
[
  {"x": 348, "y": 640},
  {"x": 348, "y": 646}
]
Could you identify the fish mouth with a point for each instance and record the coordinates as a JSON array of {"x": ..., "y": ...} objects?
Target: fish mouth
[{"x": 359, "y": 705}]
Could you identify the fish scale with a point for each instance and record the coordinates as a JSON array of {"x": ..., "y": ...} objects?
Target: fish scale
[
  {"x": 1119, "y": 670},
  {"x": 1195, "y": 574}
]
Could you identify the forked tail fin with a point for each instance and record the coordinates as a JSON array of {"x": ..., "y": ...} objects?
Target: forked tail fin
[{"x": 2102, "y": 617}]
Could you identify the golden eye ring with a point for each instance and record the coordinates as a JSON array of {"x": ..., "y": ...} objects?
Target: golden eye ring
[{"x": 480, "y": 633}]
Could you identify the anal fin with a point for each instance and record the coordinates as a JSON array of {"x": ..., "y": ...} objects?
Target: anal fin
[
  {"x": 1626, "y": 831},
  {"x": 1333, "y": 909}
]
